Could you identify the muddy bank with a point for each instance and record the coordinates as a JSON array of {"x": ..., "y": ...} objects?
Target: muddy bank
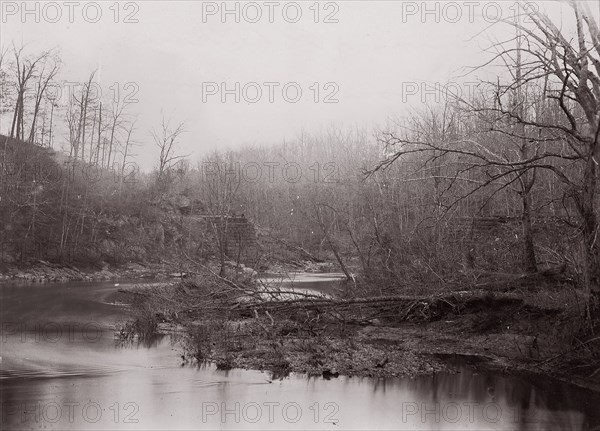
[{"x": 525, "y": 332}]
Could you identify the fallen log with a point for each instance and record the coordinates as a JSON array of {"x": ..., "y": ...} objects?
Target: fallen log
[
  {"x": 364, "y": 310},
  {"x": 409, "y": 302}
]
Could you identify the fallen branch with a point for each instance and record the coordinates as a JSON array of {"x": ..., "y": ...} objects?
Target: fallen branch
[{"x": 299, "y": 249}]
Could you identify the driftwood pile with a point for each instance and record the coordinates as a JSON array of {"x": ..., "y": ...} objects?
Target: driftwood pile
[
  {"x": 281, "y": 304},
  {"x": 400, "y": 307},
  {"x": 213, "y": 295}
]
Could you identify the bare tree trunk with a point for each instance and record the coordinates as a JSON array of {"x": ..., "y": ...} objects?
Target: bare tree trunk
[
  {"x": 91, "y": 155},
  {"x": 591, "y": 252},
  {"x": 338, "y": 257},
  {"x": 125, "y": 154},
  {"x": 332, "y": 245},
  {"x": 85, "y": 100},
  {"x": 21, "y": 125},
  {"x": 99, "y": 132},
  {"x": 43, "y": 132},
  {"x": 14, "y": 129},
  {"x": 363, "y": 262},
  {"x": 529, "y": 259},
  {"x": 526, "y": 178},
  {"x": 110, "y": 145},
  {"x": 42, "y": 85},
  {"x": 222, "y": 230},
  {"x": 50, "y": 142},
  {"x": 23, "y": 75}
]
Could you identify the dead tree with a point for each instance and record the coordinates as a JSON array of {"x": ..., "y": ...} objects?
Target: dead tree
[
  {"x": 44, "y": 78},
  {"x": 571, "y": 65},
  {"x": 221, "y": 185},
  {"x": 25, "y": 69},
  {"x": 166, "y": 139},
  {"x": 566, "y": 71}
]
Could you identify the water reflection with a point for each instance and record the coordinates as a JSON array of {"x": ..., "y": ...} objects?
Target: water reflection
[
  {"x": 79, "y": 381},
  {"x": 146, "y": 342}
]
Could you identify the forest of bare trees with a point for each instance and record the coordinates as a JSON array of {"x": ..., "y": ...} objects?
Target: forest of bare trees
[{"x": 502, "y": 181}]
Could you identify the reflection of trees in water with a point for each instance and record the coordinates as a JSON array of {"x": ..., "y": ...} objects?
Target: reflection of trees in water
[
  {"x": 380, "y": 385},
  {"x": 498, "y": 401},
  {"x": 145, "y": 342}
]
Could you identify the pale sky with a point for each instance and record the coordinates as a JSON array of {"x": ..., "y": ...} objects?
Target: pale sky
[{"x": 173, "y": 50}]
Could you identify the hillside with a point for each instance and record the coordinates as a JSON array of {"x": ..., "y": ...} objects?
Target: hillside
[{"x": 55, "y": 210}]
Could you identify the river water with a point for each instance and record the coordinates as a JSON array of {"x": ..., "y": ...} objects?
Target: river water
[{"x": 61, "y": 368}]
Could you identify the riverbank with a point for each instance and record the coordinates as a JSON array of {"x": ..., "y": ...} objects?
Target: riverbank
[
  {"x": 42, "y": 271},
  {"x": 522, "y": 330},
  {"x": 528, "y": 332}
]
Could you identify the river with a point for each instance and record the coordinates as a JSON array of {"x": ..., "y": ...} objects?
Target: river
[{"x": 61, "y": 368}]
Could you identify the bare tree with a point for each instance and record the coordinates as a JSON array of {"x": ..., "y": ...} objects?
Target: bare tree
[
  {"x": 44, "y": 78},
  {"x": 4, "y": 82},
  {"x": 84, "y": 105},
  {"x": 126, "y": 152},
  {"x": 573, "y": 65},
  {"x": 221, "y": 187},
  {"x": 321, "y": 216},
  {"x": 166, "y": 140},
  {"x": 115, "y": 124},
  {"x": 25, "y": 68},
  {"x": 562, "y": 71}
]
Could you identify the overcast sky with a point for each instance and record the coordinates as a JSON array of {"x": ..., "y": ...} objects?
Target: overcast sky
[{"x": 171, "y": 51}]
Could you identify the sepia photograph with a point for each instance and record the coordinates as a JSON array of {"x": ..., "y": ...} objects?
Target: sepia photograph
[{"x": 300, "y": 215}]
